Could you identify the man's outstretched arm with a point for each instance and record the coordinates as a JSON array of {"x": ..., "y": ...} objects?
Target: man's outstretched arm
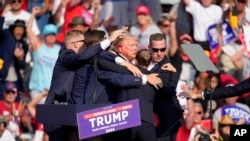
[{"x": 230, "y": 91}]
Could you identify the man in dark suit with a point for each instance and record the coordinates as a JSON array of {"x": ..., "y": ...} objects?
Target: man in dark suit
[
  {"x": 70, "y": 58},
  {"x": 166, "y": 105},
  {"x": 126, "y": 48}
]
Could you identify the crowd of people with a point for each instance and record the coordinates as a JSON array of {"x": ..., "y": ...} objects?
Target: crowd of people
[{"x": 111, "y": 51}]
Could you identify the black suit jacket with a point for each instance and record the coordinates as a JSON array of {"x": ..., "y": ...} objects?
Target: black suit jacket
[
  {"x": 145, "y": 93},
  {"x": 166, "y": 105},
  {"x": 230, "y": 91}
]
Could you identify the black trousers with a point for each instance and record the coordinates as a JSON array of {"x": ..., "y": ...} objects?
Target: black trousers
[{"x": 171, "y": 137}]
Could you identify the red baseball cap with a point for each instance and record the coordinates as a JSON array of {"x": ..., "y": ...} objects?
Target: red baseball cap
[{"x": 142, "y": 9}]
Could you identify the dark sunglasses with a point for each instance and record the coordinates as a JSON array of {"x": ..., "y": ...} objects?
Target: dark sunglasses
[
  {"x": 160, "y": 49},
  {"x": 10, "y": 92},
  {"x": 199, "y": 113},
  {"x": 78, "y": 41},
  {"x": 16, "y": 1}
]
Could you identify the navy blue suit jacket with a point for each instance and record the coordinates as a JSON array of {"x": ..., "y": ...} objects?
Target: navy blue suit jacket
[
  {"x": 145, "y": 93},
  {"x": 64, "y": 71},
  {"x": 230, "y": 91},
  {"x": 90, "y": 83}
]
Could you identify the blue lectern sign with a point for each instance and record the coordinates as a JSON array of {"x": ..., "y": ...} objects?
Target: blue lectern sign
[{"x": 108, "y": 119}]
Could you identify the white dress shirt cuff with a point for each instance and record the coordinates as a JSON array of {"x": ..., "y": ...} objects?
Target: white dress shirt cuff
[
  {"x": 144, "y": 79},
  {"x": 118, "y": 60},
  {"x": 202, "y": 95},
  {"x": 105, "y": 44}
]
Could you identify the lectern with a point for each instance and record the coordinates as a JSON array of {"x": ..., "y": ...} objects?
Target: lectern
[{"x": 63, "y": 117}]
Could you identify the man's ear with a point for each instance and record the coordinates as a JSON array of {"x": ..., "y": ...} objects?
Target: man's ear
[{"x": 119, "y": 48}]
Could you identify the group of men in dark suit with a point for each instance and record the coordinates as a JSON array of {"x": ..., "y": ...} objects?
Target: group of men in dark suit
[
  {"x": 155, "y": 97},
  {"x": 105, "y": 77}
]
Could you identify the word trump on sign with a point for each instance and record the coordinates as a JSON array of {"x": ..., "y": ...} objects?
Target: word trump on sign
[
  {"x": 236, "y": 113},
  {"x": 108, "y": 119}
]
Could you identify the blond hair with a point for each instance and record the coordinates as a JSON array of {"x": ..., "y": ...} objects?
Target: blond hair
[
  {"x": 144, "y": 57},
  {"x": 71, "y": 34}
]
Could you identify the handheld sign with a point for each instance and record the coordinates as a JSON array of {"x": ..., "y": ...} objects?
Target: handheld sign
[
  {"x": 228, "y": 35},
  {"x": 236, "y": 113},
  {"x": 108, "y": 119}
]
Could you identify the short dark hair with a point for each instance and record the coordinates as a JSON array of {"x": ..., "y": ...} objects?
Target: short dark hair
[
  {"x": 93, "y": 37},
  {"x": 144, "y": 57},
  {"x": 156, "y": 37}
]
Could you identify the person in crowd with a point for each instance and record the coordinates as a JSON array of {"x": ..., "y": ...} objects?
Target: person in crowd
[
  {"x": 241, "y": 62},
  {"x": 164, "y": 25},
  {"x": 18, "y": 31},
  {"x": 168, "y": 124},
  {"x": 154, "y": 7},
  {"x": 58, "y": 12},
  {"x": 184, "y": 131},
  {"x": 74, "y": 8},
  {"x": 224, "y": 127},
  {"x": 79, "y": 23},
  {"x": 5, "y": 134},
  {"x": 44, "y": 54},
  {"x": 232, "y": 101},
  {"x": 16, "y": 12},
  {"x": 197, "y": 126},
  {"x": 120, "y": 16},
  {"x": 183, "y": 19},
  {"x": 237, "y": 15},
  {"x": 212, "y": 82},
  {"x": 167, "y": 25},
  {"x": 205, "y": 14},
  {"x": 43, "y": 17},
  {"x": 144, "y": 28},
  {"x": 13, "y": 56},
  {"x": 188, "y": 69},
  {"x": 14, "y": 112},
  {"x": 31, "y": 108}
]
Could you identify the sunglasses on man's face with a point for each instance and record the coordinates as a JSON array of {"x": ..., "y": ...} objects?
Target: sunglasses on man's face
[
  {"x": 10, "y": 92},
  {"x": 83, "y": 41},
  {"x": 159, "y": 49},
  {"x": 16, "y": 1}
]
